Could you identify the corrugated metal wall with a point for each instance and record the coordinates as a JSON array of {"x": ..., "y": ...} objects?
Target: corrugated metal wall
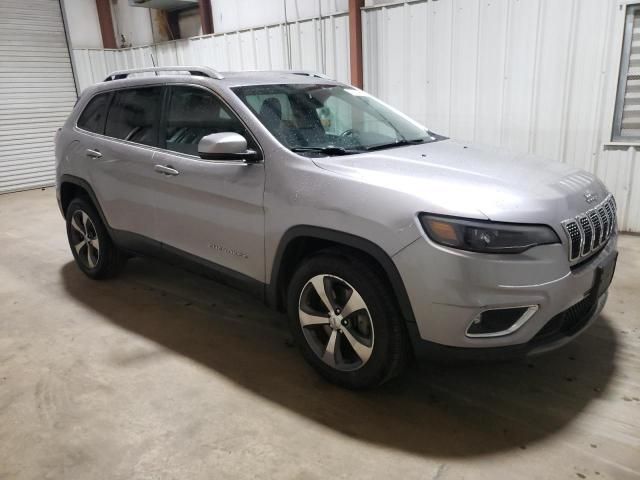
[
  {"x": 318, "y": 44},
  {"x": 533, "y": 76},
  {"x": 232, "y": 15}
]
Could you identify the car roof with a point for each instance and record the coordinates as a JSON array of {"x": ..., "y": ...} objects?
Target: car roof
[{"x": 130, "y": 78}]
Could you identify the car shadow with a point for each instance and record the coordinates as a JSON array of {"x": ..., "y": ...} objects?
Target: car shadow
[{"x": 434, "y": 410}]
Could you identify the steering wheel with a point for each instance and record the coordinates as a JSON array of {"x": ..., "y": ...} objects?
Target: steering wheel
[{"x": 349, "y": 132}]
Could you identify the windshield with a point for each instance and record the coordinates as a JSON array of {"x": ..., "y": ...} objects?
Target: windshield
[{"x": 330, "y": 119}]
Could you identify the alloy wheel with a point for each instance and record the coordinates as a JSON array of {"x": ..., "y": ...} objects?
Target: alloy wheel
[
  {"x": 84, "y": 239},
  {"x": 336, "y": 322}
]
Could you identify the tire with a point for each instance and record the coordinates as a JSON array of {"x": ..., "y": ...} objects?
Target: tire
[
  {"x": 90, "y": 243},
  {"x": 370, "y": 341}
]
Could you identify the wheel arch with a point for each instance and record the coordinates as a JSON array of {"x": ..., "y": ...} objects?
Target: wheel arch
[
  {"x": 72, "y": 187},
  {"x": 303, "y": 241}
]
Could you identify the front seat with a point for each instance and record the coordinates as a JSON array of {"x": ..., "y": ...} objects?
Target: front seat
[{"x": 271, "y": 114}]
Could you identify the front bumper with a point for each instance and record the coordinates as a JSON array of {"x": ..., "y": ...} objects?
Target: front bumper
[
  {"x": 559, "y": 331},
  {"x": 447, "y": 288}
]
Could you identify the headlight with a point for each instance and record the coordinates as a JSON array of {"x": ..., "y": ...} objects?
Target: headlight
[{"x": 485, "y": 236}]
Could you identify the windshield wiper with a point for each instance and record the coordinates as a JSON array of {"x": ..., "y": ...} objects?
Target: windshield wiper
[
  {"x": 398, "y": 143},
  {"x": 329, "y": 150}
]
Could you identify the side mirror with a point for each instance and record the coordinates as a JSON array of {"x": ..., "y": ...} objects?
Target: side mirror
[{"x": 226, "y": 146}]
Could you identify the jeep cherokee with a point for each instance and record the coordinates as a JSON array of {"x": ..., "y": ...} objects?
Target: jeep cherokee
[{"x": 379, "y": 238}]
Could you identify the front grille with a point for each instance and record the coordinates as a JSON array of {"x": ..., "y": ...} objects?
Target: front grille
[{"x": 589, "y": 231}]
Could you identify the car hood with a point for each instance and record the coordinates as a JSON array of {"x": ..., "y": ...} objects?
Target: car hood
[{"x": 454, "y": 178}]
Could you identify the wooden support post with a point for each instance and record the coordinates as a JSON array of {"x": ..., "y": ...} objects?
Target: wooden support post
[
  {"x": 355, "y": 41},
  {"x": 206, "y": 16},
  {"x": 106, "y": 24}
]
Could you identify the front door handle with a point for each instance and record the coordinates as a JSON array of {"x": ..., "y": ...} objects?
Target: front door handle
[
  {"x": 166, "y": 170},
  {"x": 93, "y": 153}
]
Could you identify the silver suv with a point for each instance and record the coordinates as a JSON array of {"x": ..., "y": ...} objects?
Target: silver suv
[{"x": 379, "y": 238}]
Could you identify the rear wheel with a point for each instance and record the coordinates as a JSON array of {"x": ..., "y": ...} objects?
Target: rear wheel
[
  {"x": 91, "y": 246},
  {"x": 345, "y": 321}
]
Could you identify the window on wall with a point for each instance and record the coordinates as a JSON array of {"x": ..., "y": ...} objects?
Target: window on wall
[{"x": 626, "y": 124}]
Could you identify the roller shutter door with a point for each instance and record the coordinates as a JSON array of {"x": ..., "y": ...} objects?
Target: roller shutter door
[{"x": 37, "y": 91}]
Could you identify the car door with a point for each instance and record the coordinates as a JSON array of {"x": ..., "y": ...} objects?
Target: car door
[
  {"x": 120, "y": 162},
  {"x": 212, "y": 209}
]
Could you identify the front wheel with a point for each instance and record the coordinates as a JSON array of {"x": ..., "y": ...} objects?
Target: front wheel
[{"x": 345, "y": 321}]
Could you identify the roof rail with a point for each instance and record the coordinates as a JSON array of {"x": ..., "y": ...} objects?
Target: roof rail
[
  {"x": 309, "y": 74},
  {"x": 195, "y": 71}
]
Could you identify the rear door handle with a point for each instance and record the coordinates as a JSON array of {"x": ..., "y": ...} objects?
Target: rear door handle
[
  {"x": 166, "y": 170},
  {"x": 93, "y": 153}
]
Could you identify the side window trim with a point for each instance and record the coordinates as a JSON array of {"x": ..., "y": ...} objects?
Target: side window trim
[
  {"x": 164, "y": 107},
  {"x": 112, "y": 96},
  {"x": 162, "y": 124},
  {"x": 164, "y": 114}
]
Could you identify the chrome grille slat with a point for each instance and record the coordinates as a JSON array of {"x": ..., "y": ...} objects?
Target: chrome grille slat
[
  {"x": 605, "y": 222},
  {"x": 591, "y": 230},
  {"x": 587, "y": 234},
  {"x": 597, "y": 227},
  {"x": 573, "y": 232},
  {"x": 610, "y": 217}
]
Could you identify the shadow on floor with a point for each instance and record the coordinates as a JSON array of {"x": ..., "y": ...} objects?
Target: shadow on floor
[{"x": 444, "y": 411}]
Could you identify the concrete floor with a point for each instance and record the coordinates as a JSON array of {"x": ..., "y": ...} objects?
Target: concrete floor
[{"x": 163, "y": 374}]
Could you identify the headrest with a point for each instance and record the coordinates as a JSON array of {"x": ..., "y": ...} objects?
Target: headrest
[{"x": 271, "y": 107}]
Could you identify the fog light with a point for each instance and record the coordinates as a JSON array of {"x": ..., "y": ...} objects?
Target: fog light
[{"x": 500, "y": 321}]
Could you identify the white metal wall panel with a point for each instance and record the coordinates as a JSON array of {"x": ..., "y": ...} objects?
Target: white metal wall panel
[
  {"x": 318, "y": 44},
  {"x": 535, "y": 76},
  {"x": 37, "y": 91},
  {"x": 232, "y": 15}
]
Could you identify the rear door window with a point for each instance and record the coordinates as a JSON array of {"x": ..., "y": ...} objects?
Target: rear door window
[
  {"x": 194, "y": 113},
  {"x": 134, "y": 115},
  {"x": 94, "y": 114}
]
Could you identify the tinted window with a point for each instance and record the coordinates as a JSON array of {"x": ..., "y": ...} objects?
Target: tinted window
[
  {"x": 194, "y": 113},
  {"x": 92, "y": 118},
  {"x": 134, "y": 115}
]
